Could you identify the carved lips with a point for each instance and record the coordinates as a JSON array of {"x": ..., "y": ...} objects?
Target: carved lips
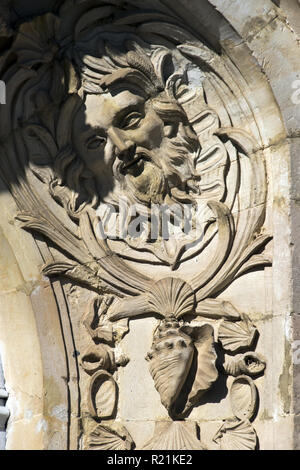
[{"x": 134, "y": 165}]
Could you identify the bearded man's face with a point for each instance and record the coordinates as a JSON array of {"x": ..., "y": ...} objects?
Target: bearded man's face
[{"x": 124, "y": 143}]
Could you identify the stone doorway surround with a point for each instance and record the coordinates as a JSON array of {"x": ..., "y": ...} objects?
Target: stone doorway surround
[{"x": 42, "y": 331}]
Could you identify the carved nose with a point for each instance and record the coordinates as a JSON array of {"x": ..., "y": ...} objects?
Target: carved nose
[{"x": 124, "y": 148}]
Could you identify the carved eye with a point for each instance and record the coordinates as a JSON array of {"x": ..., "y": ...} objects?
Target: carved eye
[
  {"x": 131, "y": 121},
  {"x": 95, "y": 142}
]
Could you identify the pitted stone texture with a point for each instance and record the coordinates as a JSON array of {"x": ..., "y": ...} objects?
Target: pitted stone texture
[{"x": 214, "y": 135}]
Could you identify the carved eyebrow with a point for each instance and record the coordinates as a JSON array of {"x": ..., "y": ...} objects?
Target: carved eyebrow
[
  {"x": 125, "y": 111},
  {"x": 117, "y": 119},
  {"x": 93, "y": 132}
]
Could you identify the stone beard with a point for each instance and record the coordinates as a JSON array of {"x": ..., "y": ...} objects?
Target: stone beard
[
  {"x": 136, "y": 145},
  {"x": 133, "y": 142}
]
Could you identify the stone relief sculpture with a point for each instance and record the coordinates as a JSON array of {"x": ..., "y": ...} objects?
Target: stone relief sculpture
[{"x": 110, "y": 109}]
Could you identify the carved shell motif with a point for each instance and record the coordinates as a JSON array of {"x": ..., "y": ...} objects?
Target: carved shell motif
[
  {"x": 175, "y": 348},
  {"x": 98, "y": 357},
  {"x": 170, "y": 360},
  {"x": 102, "y": 395},
  {"x": 105, "y": 438},
  {"x": 250, "y": 363},
  {"x": 236, "y": 336},
  {"x": 243, "y": 397},
  {"x": 176, "y": 435},
  {"x": 236, "y": 435},
  {"x": 171, "y": 297},
  {"x": 206, "y": 371}
]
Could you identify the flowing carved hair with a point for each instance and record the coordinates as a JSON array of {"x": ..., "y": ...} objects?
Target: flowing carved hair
[{"x": 135, "y": 65}]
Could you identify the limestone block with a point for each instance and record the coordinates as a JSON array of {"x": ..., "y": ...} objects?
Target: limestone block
[
  {"x": 295, "y": 321},
  {"x": 21, "y": 243},
  {"x": 27, "y": 434},
  {"x": 22, "y": 371}
]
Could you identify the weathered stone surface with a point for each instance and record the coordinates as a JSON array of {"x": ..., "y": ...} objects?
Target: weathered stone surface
[{"x": 181, "y": 122}]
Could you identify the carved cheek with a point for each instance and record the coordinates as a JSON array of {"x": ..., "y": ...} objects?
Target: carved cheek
[
  {"x": 94, "y": 159},
  {"x": 149, "y": 134},
  {"x": 108, "y": 153}
]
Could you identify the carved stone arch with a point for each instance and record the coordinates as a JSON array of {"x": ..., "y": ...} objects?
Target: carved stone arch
[
  {"x": 104, "y": 303},
  {"x": 36, "y": 344}
]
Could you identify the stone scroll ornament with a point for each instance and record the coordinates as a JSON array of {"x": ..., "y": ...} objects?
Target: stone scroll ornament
[{"x": 106, "y": 104}]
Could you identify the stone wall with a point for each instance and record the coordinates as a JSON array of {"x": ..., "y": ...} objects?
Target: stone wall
[{"x": 138, "y": 113}]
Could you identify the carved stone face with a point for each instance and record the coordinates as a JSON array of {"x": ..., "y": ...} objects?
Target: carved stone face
[
  {"x": 123, "y": 138},
  {"x": 123, "y": 142}
]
